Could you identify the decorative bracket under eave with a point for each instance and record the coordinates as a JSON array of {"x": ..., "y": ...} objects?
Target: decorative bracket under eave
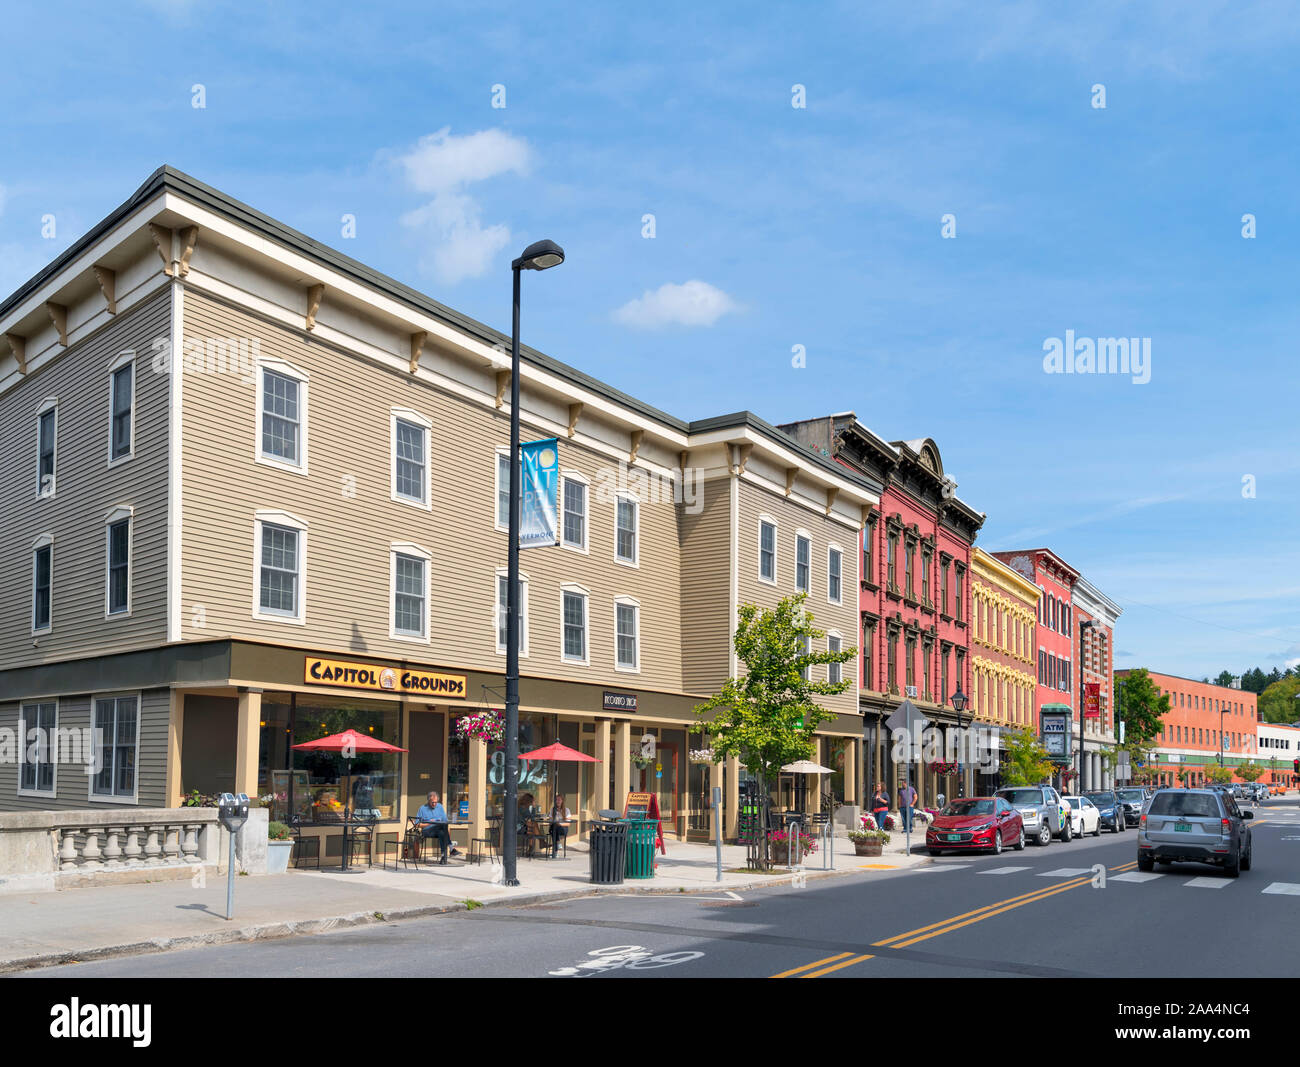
[
  {"x": 417, "y": 346},
  {"x": 162, "y": 239},
  {"x": 19, "y": 347},
  {"x": 59, "y": 316},
  {"x": 503, "y": 382},
  {"x": 742, "y": 456},
  {"x": 314, "y": 294},
  {"x": 791, "y": 473},
  {"x": 189, "y": 238},
  {"x": 636, "y": 446},
  {"x": 831, "y": 494},
  {"x": 575, "y": 411},
  {"x": 866, "y": 514},
  {"x": 107, "y": 278}
]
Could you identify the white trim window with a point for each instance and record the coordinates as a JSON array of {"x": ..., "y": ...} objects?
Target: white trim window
[
  {"x": 573, "y": 624},
  {"x": 503, "y": 489},
  {"x": 47, "y": 438},
  {"x": 408, "y": 568},
  {"x": 502, "y": 600},
  {"x": 116, "y": 722},
  {"x": 627, "y": 529},
  {"x": 802, "y": 562},
  {"x": 410, "y": 433},
  {"x": 834, "y": 643},
  {"x": 282, "y": 416},
  {"x": 767, "y": 550},
  {"x": 573, "y": 511},
  {"x": 43, "y": 584},
  {"x": 121, "y": 408},
  {"x": 279, "y": 567},
  {"x": 117, "y": 562},
  {"x": 37, "y": 735},
  {"x": 627, "y": 634},
  {"x": 835, "y": 574}
]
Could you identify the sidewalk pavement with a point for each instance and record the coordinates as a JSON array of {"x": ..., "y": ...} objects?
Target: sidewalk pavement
[{"x": 75, "y": 925}]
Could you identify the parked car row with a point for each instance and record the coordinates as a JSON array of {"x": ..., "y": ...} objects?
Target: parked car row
[{"x": 1010, "y": 818}]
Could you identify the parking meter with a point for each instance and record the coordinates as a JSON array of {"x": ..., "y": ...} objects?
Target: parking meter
[
  {"x": 939, "y": 801},
  {"x": 232, "y": 813}
]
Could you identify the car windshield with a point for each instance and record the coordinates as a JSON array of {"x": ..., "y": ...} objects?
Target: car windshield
[
  {"x": 1072, "y": 801},
  {"x": 1131, "y": 794},
  {"x": 1099, "y": 798},
  {"x": 969, "y": 807},
  {"x": 1022, "y": 796},
  {"x": 1197, "y": 805}
]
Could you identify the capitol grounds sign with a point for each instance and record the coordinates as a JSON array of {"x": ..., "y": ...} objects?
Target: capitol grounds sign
[{"x": 385, "y": 679}]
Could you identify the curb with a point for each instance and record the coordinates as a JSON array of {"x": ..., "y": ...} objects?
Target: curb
[{"x": 272, "y": 931}]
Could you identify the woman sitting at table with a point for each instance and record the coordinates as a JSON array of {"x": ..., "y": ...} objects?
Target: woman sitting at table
[{"x": 560, "y": 817}]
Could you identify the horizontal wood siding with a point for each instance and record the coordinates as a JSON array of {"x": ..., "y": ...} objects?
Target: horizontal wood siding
[
  {"x": 706, "y": 589},
  {"x": 756, "y": 501},
  {"x": 345, "y": 499},
  {"x": 86, "y": 490},
  {"x": 72, "y": 784}
]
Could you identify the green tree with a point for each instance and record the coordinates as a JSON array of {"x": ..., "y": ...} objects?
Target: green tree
[
  {"x": 1218, "y": 775},
  {"x": 1224, "y": 678},
  {"x": 1248, "y": 772},
  {"x": 1142, "y": 707},
  {"x": 1026, "y": 761},
  {"x": 766, "y": 718},
  {"x": 1278, "y": 702}
]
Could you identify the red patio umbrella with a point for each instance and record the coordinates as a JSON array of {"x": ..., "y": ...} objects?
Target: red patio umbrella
[
  {"x": 558, "y": 752},
  {"x": 351, "y": 742}
]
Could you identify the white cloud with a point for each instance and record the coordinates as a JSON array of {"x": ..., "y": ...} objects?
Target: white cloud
[
  {"x": 692, "y": 303},
  {"x": 459, "y": 245}
]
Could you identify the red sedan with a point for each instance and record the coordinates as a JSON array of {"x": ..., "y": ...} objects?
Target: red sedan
[{"x": 976, "y": 823}]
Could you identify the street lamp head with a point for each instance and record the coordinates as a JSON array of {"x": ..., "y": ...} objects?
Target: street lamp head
[
  {"x": 959, "y": 700},
  {"x": 540, "y": 255}
]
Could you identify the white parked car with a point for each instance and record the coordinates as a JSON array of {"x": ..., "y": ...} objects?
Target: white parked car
[{"x": 1085, "y": 818}]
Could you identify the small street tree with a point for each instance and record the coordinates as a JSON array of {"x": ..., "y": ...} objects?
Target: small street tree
[
  {"x": 1142, "y": 707},
  {"x": 1026, "y": 761},
  {"x": 1249, "y": 772},
  {"x": 767, "y": 716},
  {"x": 1219, "y": 775}
]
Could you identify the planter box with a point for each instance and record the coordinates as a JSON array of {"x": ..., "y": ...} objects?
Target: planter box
[
  {"x": 277, "y": 856},
  {"x": 868, "y": 848}
]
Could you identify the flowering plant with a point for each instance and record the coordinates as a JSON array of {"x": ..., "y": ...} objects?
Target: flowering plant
[
  {"x": 943, "y": 767},
  {"x": 702, "y": 755},
  {"x": 868, "y": 823},
  {"x": 807, "y": 843},
  {"x": 483, "y": 726}
]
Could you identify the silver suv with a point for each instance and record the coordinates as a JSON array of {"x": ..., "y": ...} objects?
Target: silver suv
[
  {"x": 1041, "y": 810},
  {"x": 1195, "y": 826}
]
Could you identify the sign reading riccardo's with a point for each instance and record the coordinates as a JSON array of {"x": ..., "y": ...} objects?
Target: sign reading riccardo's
[{"x": 389, "y": 679}]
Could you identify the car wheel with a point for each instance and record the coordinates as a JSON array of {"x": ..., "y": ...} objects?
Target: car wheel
[
  {"x": 1233, "y": 869},
  {"x": 997, "y": 843},
  {"x": 1096, "y": 830},
  {"x": 1044, "y": 834},
  {"x": 1067, "y": 832},
  {"x": 1020, "y": 844},
  {"x": 936, "y": 852},
  {"x": 1145, "y": 863},
  {"x": 1245, "y": 860},
  {"x": 1115, "y": 826}
]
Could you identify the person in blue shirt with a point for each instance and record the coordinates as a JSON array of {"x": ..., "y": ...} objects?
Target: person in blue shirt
[{"x": 431, "y": 820}]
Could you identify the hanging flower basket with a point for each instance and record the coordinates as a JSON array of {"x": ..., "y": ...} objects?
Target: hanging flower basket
[
  {"x": 486, "y": 726},
  {"x": 942, "y": 767},
  {"x": 643, "y": 762}
]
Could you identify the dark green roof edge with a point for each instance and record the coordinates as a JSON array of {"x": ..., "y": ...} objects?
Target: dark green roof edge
[{"x": 167, "y": 178}]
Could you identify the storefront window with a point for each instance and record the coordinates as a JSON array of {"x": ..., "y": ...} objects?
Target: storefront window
[
  {"x": 535, "y": 786},
  {"x": 836, "y": 748},
  {"x": 458, "y": 776},
  {"x": 318, "y": 786}
]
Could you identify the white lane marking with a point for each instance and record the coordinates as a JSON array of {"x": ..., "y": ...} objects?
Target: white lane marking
[
  {"x": 1204, "y": 882},
  {"x": 1135, "y": 876},
  {"x": 1005, "y": 870},
  {"x": 945, "y": 867},
  {"x": 1066, "y": 872},
  {"x": 734, "y": 896},
  {"x": 1288, "y": 889}
]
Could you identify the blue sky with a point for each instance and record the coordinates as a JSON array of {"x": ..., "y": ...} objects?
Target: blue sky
[{"x": 778, "y": 226}]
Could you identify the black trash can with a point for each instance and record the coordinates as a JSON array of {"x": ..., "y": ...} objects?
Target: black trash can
[{"x": 607, "y": 847}]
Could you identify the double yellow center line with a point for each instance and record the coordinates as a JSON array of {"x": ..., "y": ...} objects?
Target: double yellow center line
[{"x": 847, "y": 959}]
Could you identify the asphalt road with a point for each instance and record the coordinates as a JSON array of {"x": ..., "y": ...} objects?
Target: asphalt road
[{"x": 1043, "y": 912}]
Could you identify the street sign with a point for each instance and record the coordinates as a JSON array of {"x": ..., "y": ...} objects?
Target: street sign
[{"x": 908, "y": 717}]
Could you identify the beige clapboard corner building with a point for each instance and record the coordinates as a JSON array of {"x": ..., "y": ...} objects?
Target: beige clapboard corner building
[{"x": 254, "y": 495}]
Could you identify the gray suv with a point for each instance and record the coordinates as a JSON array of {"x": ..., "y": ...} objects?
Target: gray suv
[
  {"x": 1195, "y": 826},
  {"x": 1041, "y": 811}
]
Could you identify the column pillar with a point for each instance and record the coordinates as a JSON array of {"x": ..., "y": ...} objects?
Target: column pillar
[
  {"x": 622, "y": 760},
  {"x": 248, "y": 734},
  {"x": 477, "y": 786},
  {"x": 731, "y": 807},
  {"x": 813, "y": 782},
  {"x": 602, "y": 774},
  {"x": 851, "y": 772},
  {"x": 175, "y": 730}
]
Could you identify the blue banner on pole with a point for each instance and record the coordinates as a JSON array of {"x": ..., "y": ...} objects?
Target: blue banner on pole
[{"x": 539, "y": 463}]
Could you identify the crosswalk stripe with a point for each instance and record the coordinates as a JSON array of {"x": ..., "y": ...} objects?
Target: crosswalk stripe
[
  {"x": 1005, "y": 870},
  {"x": 945, "y": 867},
  {"x": 1066, "y": 872},
  {"x": 1208, "y": 883},
  {"x": 1135, "y": 876},
  {"x": 1288, "y": 889}
]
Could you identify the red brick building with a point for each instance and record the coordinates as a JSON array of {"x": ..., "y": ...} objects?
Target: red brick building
[{"x": 915, "y": 596}]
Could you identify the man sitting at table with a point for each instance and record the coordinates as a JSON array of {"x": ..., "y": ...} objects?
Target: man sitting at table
[{"x": 431, "y": 821}]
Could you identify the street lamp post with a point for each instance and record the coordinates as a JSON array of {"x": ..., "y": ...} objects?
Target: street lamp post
[
  {"x": 537, "y": 256},
  {"x": 959, "y": 705},
  {"x": 1086, "y": 624}
]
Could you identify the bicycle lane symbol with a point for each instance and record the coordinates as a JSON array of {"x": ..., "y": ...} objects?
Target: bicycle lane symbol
[{"x": 620, "y": 957}]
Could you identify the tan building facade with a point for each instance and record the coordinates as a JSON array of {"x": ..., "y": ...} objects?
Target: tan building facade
[{"x": 270, "y": 507}]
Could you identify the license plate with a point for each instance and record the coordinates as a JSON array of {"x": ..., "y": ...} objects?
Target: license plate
[
  {"x": 1183, "y": 827},
  {"x": 954, "y": 837}
]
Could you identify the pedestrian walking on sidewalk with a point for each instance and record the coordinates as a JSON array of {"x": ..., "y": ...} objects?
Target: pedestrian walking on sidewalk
[
  {"x": 880, "y": 807},
  {"x": 906, "y": 802}
]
